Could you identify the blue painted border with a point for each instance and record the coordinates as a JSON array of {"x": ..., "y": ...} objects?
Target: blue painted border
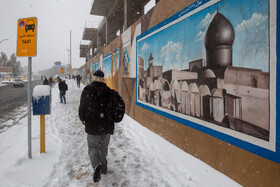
[
  {"x": 109, "y": 54},
  {"x": 271, "y": 155},
  {"x": 277, "y": 80}
]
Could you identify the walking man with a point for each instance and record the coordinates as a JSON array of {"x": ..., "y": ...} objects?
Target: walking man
[
  {"x": 45, "y": 82},
  {"x": 98, "y": 128},
  {"x": 78, "y": 80},
  {"x": 63, "y": 87}
]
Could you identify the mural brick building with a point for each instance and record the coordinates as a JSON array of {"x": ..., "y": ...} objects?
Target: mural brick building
[{"x": 217, "y": 92}]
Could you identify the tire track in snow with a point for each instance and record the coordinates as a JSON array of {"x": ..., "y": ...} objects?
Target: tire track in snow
[{"x": 69, "y": 129}]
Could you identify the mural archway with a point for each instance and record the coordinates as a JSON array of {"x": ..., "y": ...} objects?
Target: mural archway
[
  {"x": 166, "y": 94},
  {"x": 205, "y": 95},
  {"x": 175, "y": 95},
  {"x": 195, "y": 100},
  {"x": 151, "y": 98},
  {"x": 185, "y": 98},
  {"x": 217, "y": 105},
  {"x": 158, "y": 90}
]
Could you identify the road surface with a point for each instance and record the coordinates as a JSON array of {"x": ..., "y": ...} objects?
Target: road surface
[{"x": 12, "y": 98}]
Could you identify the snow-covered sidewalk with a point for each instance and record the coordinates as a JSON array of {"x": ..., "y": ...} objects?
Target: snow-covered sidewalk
[{"x": 137, "y": 157}]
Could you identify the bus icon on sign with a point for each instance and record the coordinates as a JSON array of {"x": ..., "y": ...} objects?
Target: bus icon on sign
[{"x": 30, "y": 25}]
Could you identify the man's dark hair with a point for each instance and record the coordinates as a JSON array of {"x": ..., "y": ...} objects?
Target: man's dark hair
[{"x": 98, "y": 73}]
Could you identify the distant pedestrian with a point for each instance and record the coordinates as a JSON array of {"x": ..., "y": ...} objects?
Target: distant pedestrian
[
  {"x": 45, "y": 82},
  {"x": 63, "y": 87},
  {"x": 98, "y": 128},
  {"x": 78, "y": 80},
  {"x": 50, "y": 80}
]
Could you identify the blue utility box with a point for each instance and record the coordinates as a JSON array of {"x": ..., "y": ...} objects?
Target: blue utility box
[{"x": 41, "y": 100}]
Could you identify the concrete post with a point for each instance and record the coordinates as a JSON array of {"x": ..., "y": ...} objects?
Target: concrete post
[
  {"x": 127, "y": 13},
  {"x": 106, "y": 24},
  {"x": 98, "y": 42},
  {"x": 92, "y": 50}
]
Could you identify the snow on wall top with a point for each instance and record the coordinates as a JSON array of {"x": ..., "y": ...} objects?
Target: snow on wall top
[{"x": 41, "y": 90}]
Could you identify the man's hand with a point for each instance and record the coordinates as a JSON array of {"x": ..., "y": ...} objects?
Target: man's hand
[{"x": 83, "y": 122}]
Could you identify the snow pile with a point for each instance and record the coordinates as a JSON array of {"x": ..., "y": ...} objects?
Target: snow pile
[
  {"x": 41, "y": 90},
  {"x": 137, "y": 157},
  {"x": 1, "y": 84}
]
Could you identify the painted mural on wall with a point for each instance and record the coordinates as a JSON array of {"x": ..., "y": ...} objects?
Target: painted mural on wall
[
  {"x": 87, "y": 75},
  {"x": 126, "y": 59},
  {"x": 107, "y": 68},
  {"x": 84, "y": 76},
  {"x": 116, "y": 70},
  {"x": 116, "y": 61},
  {"x": 94, "y": 66},
  {"x": 111, "y": 66},
  {"x": 211, "y": 67},
  {"x": 80, "y": 72}
]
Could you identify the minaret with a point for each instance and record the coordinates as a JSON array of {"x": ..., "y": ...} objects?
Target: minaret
[
  {"x": 149, "y": 72},
  {"x": 150, "y": 60}
]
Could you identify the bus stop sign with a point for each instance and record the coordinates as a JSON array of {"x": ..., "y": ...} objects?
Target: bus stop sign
[{"x": 27, "y": 37}]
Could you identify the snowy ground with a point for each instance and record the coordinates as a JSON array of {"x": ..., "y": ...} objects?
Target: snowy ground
[{"x": 137, "y": 157}]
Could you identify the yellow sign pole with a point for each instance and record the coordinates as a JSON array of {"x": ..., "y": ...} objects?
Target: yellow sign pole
[
  {"x": 42, "y": 134},
  {"x": 27, "y": 47}
]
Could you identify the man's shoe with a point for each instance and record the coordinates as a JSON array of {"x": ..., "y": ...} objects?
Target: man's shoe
[
  {"x": 97, "y": 173},
  {"x": 104, "y": 171}
]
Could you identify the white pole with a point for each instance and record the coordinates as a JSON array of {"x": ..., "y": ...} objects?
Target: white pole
[
  {"x": 29, "y": 107},
  {"x": 70, "y": 51}
]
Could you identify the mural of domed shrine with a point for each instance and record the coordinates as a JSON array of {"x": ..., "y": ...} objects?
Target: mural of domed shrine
[{"x": 212, "y": 70}]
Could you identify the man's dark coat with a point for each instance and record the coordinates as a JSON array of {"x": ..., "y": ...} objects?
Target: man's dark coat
[{"x": 92, "y": 109}]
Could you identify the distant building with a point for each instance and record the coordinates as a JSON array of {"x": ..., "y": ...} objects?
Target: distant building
[
  {"x": 57, "y": 63},
  {"x": 6, "y": 72},
  {"x": 24, "y": 72},
  {"x": 54, "y": 70}
]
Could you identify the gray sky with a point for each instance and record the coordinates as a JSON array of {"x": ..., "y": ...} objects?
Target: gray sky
[{"x": 55, "y": 19}]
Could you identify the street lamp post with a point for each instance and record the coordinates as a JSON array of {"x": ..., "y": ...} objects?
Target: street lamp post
[
  {"x": 70, "y": 50},
  {"x": 68, "y": 55}
]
